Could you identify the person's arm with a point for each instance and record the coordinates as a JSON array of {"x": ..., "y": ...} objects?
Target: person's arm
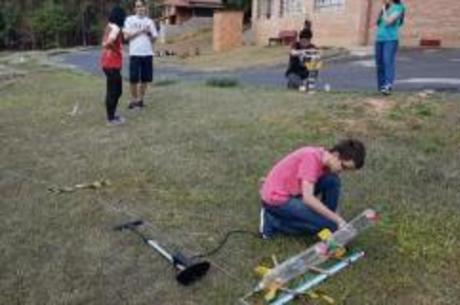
[
  {"x": 295, "y": 52},
  {"x": 113, "y": 34},
  {"x": 390, "y": 19},
  {"x": 314, "y": 203},
  {"x": 294, "y": 49},
  {"x": 152, "y": 32},
  {"x": 131, "y": 33}
]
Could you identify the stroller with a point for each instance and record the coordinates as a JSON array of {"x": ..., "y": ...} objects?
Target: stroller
[
  {"x": 311, "y": 59},
  {"x": 306, "y": 76}
]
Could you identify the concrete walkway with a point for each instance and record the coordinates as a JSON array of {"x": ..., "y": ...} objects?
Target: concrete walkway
[{"x": 417, "y": 69}]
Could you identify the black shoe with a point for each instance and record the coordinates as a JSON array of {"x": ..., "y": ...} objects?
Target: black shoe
[
  {"x": 140, "y": 104},
  {"x": 132, "y": 105}
]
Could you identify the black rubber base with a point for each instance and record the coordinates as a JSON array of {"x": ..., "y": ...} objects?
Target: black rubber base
[{"x": 192, "y": 273}]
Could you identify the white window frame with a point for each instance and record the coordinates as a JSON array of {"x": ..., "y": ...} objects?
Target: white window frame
[{"x": 321, "y": 5}]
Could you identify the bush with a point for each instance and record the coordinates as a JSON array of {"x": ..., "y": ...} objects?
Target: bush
[{"x": 222, "y": 82}]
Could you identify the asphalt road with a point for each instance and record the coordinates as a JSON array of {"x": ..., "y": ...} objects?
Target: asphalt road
[{"x": 417, "y": 69}]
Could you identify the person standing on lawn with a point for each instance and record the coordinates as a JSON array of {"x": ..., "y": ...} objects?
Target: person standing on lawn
[
  {"x": 390, "y": 20},
  {"x": 112, "y": 62},
  {"x": 141, "y": 33},
  {"x": 300, "y": 194}
]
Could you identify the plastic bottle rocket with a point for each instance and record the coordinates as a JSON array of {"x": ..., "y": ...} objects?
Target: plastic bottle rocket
[{"x": 318, "y": 253}]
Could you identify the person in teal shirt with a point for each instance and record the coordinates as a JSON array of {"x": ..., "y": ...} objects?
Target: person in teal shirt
[{"x": 390, "y": 20}]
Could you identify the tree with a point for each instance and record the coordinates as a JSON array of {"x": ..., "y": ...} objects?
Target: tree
[
  {"x": 9, "y": 19},
  {"x": 51, "y": 21},
  {"x": 242, "y": 5}
]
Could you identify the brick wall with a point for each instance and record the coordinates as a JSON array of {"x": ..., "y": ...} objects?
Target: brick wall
[
  {"x": 341, "y": 27},
  {"x": 227, "y": 30},
  {"x": 355, "y": 25}
]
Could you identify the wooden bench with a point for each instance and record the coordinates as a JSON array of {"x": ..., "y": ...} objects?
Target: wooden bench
[{"x": 283, "y": 38}]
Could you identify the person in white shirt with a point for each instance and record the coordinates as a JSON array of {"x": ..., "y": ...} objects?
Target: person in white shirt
[{"x": 141, "y": 33}]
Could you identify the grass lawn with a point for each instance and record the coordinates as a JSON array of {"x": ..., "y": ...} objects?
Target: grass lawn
[
  {"x": 240, "y": 58},
  {"x": 195, "y": 52},
  {"x": 189, "y": 165}
]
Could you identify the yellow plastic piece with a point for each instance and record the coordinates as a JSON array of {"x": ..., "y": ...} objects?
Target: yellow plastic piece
[
  {"x": 271, "y": 293},
  {"x": 261, "y": 270},
  {"x": 325, "y": 234},
  {"x": 321, "y": 295},
  {"x": 314, "y": 65},
  {"x": 340, "y": 252}
]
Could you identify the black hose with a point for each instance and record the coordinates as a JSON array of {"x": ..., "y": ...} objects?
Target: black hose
[{"x": 224, "y": 241}]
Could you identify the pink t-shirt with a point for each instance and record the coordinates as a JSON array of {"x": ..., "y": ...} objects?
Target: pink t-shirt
[{"x": 285, "y": 178}]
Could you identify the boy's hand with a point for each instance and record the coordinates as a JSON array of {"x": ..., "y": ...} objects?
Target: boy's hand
[{"x": 341, "y": 222}]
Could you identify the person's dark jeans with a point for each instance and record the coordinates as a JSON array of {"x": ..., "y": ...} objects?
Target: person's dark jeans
[
  {"x": 114, "y": 91},
  {"x": 295, "y": 217},
  {"x": 295, "y": 80},
  {"x": 385, "y": 58}
]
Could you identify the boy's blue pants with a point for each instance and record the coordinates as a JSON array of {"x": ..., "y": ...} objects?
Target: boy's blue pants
[{"x": 295, "y": 217}]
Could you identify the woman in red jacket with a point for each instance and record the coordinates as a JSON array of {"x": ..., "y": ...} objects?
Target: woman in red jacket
[{"x": 112, "y": 62}]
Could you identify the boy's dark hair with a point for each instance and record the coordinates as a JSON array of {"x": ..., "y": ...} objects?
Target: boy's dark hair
[
  {"x": 351, "y": 149},
  {"x": 307, "y": 24},
  {"x": 305, "y": 34},
  {"x": 117, "y": 16}
]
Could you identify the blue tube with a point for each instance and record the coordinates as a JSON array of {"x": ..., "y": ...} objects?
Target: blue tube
[{"x": 309, "y": 284}]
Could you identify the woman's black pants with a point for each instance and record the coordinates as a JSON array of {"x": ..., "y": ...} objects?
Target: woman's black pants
[{"x": 114, "y": 91}]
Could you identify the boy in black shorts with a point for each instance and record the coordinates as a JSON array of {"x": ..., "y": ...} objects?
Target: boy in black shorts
[{"x": 141, "y": 33}]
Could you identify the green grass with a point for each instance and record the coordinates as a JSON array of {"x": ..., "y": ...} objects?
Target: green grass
[{"x": 189, "y": 164}]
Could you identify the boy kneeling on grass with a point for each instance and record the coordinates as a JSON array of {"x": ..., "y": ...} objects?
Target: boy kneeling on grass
[{"x": 290, "y": 192}]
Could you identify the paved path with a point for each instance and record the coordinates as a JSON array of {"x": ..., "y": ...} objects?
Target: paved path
[{"x": 417, "y": 69}]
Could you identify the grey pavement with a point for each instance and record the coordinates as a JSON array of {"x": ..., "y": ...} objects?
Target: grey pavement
[{"x": 417, "y": 69}]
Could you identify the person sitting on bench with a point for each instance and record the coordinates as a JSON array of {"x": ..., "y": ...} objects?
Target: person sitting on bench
[{"x": 297, "y": 72}]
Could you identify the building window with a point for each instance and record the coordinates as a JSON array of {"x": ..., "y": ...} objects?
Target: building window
[
  {"x": 264, "y": 9},
  {"x": 259, "y": 8},
  {"x": 293, "y": 7},
  {"x": 269, "y": 8},
  {"x": 329, "y": 4}
]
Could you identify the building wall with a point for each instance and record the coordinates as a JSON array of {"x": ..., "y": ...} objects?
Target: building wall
[
  {"x": 355, "y": 24},
  {"x": 227, "y": 30},
  {"x": 427, "y": 19},
  {"x": 264, "y": 27},
  {"x": 341, "y": 27}
]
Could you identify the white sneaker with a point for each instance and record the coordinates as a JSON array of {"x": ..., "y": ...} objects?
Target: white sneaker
[
  {"x": 118, "y": 120},
  {"x": 262, "y": 224}
]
